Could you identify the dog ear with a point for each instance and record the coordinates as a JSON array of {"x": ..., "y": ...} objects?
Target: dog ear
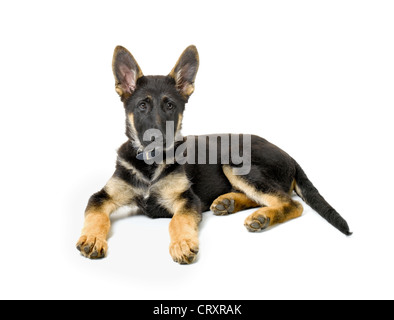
[
  {"x": 185, "y": 71},
  {"x": 126, "y": 72}
]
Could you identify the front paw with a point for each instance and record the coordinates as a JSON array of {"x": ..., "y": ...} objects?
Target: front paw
[
  {"x": 92, "y": 247},
  {"x": 184, "y": 251}
]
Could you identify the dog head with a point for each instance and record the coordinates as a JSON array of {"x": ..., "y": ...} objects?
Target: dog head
[{"x": 151, "y": 102}]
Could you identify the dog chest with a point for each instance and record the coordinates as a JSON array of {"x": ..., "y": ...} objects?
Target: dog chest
[{"x": 163, "y": 197}]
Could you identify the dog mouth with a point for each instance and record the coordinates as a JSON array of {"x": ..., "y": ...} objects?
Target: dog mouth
[
  {"x": 154, "y": 141},
  {"x": 152, "y": 147},
  {"x": 159, "y": 139}
]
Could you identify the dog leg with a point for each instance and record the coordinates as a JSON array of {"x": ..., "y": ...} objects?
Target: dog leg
[
  {"x": 278, "y": 205},
  {"x": 174, "y": 194},
  {"x": 184, "y": 244},
  {"x": 231, "y": 203},
  {"x": 93, "y": 240},
  {"x": 278, "y": 210}
]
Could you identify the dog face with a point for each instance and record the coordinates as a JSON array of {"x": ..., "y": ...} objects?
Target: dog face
[{"x": 152, "y": 101}]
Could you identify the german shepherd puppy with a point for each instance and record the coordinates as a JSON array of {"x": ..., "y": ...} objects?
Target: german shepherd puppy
[{"x": 183, "y": 191}]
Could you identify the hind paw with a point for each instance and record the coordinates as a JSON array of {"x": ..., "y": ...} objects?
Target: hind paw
[
  {"x": 223, "y": 206},
  {"x": 257, "y": 223}
]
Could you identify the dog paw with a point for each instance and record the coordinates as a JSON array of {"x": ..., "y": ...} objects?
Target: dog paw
[
  {"x": 224, "y": 206},
  {"x": 184, "y": 251},
  {"x": 257, "y": 223},
  {"x": 92, "y": 247}
]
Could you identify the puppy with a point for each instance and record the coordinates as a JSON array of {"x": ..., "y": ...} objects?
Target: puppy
[{"x": 165, "y": 175}]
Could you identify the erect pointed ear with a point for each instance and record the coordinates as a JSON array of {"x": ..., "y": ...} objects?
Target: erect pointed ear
[
  {"x": 185, "y": 71},
  {"x": 126, "y": 72}
]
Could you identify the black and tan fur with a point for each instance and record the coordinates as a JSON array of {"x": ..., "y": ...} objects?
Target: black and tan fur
[{"x": 183, "y": 192}]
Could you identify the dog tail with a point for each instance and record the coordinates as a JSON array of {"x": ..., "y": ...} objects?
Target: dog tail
[{"x": 307, "y": 191}]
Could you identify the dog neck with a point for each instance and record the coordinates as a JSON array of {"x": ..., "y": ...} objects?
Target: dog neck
[
  {"x": 147, "y": 155},
  {"x": 157, "y": 155}
]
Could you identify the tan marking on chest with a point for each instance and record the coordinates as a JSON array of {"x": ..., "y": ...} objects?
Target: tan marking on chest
[{"x": 169, "y": 191}]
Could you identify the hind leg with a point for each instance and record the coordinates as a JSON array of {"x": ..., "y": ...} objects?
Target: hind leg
[
  {"x": 278, "y": 207},
  {"x": 231, "y": 203}
]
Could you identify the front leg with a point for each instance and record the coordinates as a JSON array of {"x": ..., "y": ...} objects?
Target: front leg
[
  {"x": 174, "y": 193},
  {"x": 184, "y": 236},
  {"x": 93, "y": 240}
]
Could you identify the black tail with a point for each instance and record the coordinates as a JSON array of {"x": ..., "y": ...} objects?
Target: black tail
[{"x": 307, "y": 191}]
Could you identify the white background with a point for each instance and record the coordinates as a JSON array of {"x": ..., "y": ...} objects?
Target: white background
[{"x": 314, "y": 77}]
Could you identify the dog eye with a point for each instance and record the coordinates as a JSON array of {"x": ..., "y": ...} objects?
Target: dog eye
[
  {"x": 169, "y": 106},
  {"x": 142, "y": 106}
]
